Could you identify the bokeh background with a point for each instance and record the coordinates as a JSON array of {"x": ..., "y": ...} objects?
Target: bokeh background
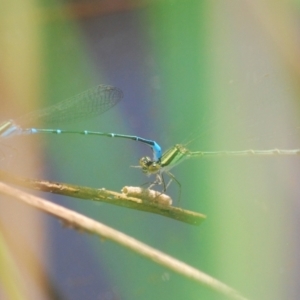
[{"x": 213, "y": 75}]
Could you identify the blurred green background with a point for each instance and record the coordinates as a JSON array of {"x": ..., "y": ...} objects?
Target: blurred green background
[{"x": 213, "y": 75}]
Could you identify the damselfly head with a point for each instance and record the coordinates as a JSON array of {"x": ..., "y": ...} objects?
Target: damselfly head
[{"x": 149, "y": 166}]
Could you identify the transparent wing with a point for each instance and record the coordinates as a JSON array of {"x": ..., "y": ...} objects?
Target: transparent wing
[{"x": 87, "y": 104}]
